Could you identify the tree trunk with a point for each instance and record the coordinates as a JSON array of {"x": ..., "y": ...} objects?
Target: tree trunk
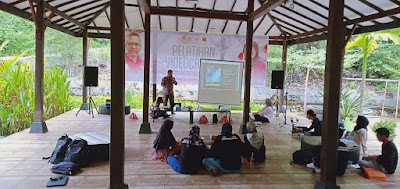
[{"x": 363, "y": 82}]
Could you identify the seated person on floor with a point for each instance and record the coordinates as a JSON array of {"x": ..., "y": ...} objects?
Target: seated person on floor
[
  {"x": 253, "y": 147},
  {"x": 165, "y": 143},
  {"x": 387, "y": 162},
  {"x": 360, "y": 134},
  {"x": 316, "y": 125},
  {"x": 192, "y": 153},
  {"x": 225, "y": 153},
  {"x": 267, "y": 113},
  {"x": 155, "y": 111}
]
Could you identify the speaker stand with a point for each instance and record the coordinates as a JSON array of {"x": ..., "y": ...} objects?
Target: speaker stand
[{"x": 91, "y": 104}]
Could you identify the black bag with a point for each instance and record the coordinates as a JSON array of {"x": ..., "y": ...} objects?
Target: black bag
[
  {"x": 65, "y": 168},
  {"x": 302, "y": 157},
  {"x": 215, "y": 118},
  {"x": 78, "y": 152},
  {"x": 59, "y": 152},
  {"x": 342, "y": 162}
]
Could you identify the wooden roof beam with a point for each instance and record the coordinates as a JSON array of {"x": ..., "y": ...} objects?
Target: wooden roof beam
[
  {"x": 23, "y": 14},
  {"x": 145, "y": 6},
  {"x": 276, "y": 24},
  {"x": 264, "y": 9},
  {"x": 159, "y": 17},
  {"x": 62, "y": 14},
  {"x": 198, "y": 14},
  {"x": 209, "y": 20},
  {"x": 98, "y": 13},
  {"x": 226, "y": 22},
  {"x": 82, "y": 11},
  {"x": 354, "y": 21}
]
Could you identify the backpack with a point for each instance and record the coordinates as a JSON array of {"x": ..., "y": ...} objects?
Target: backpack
[
  {"x": 302, "y": 157},
  {"x": 59, "y": 152},
  {"x": 78, "y": 152},
  {"x": 65, "y": 168},
  {"x": 215, "y": 118}
]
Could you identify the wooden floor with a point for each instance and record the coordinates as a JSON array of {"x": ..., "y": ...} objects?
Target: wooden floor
[{"x": 21, "y": 164}]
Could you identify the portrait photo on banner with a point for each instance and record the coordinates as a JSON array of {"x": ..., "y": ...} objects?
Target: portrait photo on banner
[{"x": 182, "y": 51}]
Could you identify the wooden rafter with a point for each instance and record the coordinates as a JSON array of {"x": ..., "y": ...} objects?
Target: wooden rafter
[
  {"x": 194, "y": 8},
  {"x": 82, "y": 11},
  {"x": 209, "y": 20},
  {"x": 286, "y": 29},
  {"x": 377, "y": 9},
  {"x": 176, "y": 17},
  {"x": 126, "y": 21},
  {"x": 159, "y": 17},
  {"x": 48, "y": 20},
  {"x": 259, "y": 23},
  {"x": 351, "y": 33},
  {"x": 309, "y": 9},
  {"x": 145, "y": 6},
  {"x": 349, "y": 22},
  {"x": 26, "y": 8},
  {"x": 198, "y": 14},
  {"x": 17, "y": 2},
  {"x": 141, "y": 16},
  {"x": 276, "y": 24},
  {"x": 293, "y": 18},
  {"x": 238, "y": 29},
  {"x": 108, "y": 17},
  {"x": 98, "y": 14},
  {"x": 62, "y": 14},
  {"x": 32, "y": 11},
  {"x": 302, "y": 15},
  {"x": 265, "y": 8},
  {"x": 358, "y": 13},
  {"x": 289, "y": 24},
  {"x": 395, "y": 2},
  {"x": 23, "y": 14},
  {"x": 98, "y": 28},
  {"x": 230, "y": 11},
  {"x": 325, "y": 7},
  {"x": 269, "y": 29},
  {"x": 94, "y": 23}
]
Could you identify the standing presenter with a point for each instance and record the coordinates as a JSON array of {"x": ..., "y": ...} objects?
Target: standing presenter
[{"x": 168, "y": 89}]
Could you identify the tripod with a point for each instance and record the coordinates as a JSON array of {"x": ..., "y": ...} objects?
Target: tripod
[
  {"x": 283, "y": 110},
  {"x": 91, "y": 105}
]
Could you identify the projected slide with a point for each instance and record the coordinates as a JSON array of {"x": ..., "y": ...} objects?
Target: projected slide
[{"x": 220, "y": 82}]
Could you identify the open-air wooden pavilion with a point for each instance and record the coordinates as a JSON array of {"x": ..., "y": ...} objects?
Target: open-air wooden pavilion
[{"x": 285, "y": 22}]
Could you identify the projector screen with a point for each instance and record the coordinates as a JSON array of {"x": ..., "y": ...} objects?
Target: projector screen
[{"x": 220, "y": 82}]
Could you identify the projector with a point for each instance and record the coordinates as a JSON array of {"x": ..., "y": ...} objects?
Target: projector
[{"x": 223, "y": 108}]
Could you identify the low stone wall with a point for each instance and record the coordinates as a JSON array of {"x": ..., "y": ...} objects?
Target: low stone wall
[{"x": 259, "y": 94}]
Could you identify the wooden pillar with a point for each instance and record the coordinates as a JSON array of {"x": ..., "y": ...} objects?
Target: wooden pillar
[
  {"x": 85, "y": 58},
  {"x": 332, "y": 90},
  {"x": 38, "y": 125},
  {"x": 284, "y": 56},
  {"x": 247, "y": 74},
  {"x": 117, "y": 146},
  {"x": 145, "y": 127},
  {"x": 154, "y": 92}
]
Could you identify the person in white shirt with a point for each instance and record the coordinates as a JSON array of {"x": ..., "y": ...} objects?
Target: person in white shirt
[
  {"x": 360, "y": 134},
  {"x": 267, "y": 113}
]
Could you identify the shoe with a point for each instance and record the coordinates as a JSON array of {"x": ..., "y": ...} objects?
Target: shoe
[
  {"x": 311, "y": 165},
  {"x": 214, "y": 173}
]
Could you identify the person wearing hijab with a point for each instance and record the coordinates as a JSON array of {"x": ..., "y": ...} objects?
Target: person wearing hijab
[
  {"x": 267, "y": 113},
  {"x": 193, "y": 151},
  {"x": 253, "y": 147},
  {"x": 225, "y": 153},
  {"x": 165, "y": 143},
  {"x": 360, "y": 134}
]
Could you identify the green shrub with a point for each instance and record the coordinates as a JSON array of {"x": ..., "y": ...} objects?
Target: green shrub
[{"x": 388, "y": 124}]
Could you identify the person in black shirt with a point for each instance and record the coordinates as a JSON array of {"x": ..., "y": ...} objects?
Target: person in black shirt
[
  {"x": 316, "y": 125},
  {"x": 225, "y": 153},
  {"x": 192, "y": 153},
  {"x": 387, "y": 162}
]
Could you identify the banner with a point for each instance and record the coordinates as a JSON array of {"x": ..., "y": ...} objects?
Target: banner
[{"x": 182, "y": 51}]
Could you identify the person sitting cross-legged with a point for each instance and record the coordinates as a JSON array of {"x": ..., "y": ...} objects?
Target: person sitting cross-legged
[
  {"x": 165, "y": 143},
  {"x": 225, "y": 153},
  {"x": 267, "y": 113},
  {"x": 387, "y": 162},
  {"x": 253, "y": 147},
  {"x": 192, "y": 153}
]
